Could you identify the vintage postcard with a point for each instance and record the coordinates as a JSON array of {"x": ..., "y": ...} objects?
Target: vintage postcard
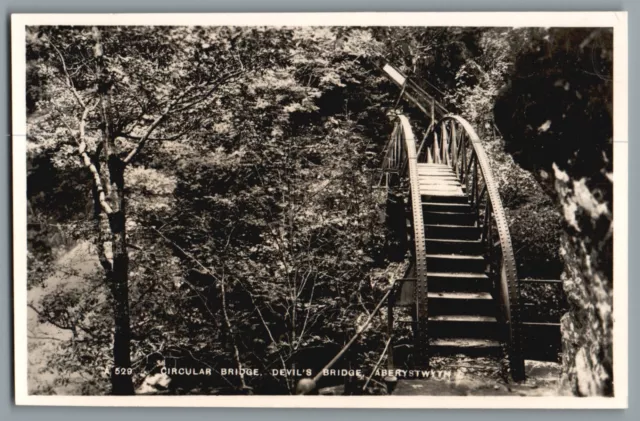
[{"x": 404, "y": 210}]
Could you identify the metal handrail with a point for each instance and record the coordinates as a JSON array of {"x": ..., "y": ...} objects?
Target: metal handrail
[
  {"x": 401, "y": 157},
  {"x": 403, "y": 160},
  {"x": 307, "y": 386},
  {"x": 412, "y": 91},
  {"x": 463, "y": 150},
  {"x": 453, "y": 141}
]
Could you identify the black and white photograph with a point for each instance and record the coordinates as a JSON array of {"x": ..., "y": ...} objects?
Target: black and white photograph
[{"x": 354, "y": 209}]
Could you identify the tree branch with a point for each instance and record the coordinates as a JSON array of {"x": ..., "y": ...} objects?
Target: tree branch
[
  {"x": 236, "y": 351},
  {"x": 264, "y": 323},
  {"x": 209, "y": 92},
  {"x": 152, "y": 139},
  {"x": 183, "y": 251},
  {"x": 69, "y": 81},
  {"x": 86, "y": 159},
  {"x": 102, "y": 253},
  {"x": 184, "y": 106},
  {"x": 150, "y": 130}
]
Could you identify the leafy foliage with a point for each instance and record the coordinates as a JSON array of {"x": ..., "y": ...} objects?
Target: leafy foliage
[
  {"x": 241, "y": 161},
  {"x": 252, "y": 225},
  {"x": 468, "y": 69}
]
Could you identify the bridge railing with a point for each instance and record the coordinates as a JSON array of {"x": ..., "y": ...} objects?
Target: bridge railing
[
  {"x": 395, "y": 155},
  {"x": 401, "y": 166},
  {"x": 540, "y": 317},
  {"x": 451, "y": 140},
  {"x": 454, "y": 142}
]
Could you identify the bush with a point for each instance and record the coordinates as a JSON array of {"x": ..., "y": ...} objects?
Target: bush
[{"x": 534, "y": 222}]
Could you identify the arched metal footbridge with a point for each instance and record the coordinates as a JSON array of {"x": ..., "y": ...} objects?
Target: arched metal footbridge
[{"x": 462, "y": 286}]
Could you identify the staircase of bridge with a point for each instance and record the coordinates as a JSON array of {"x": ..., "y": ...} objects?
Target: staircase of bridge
[
  {"x": 462, "y": 288},
  {"x": 462, "y": 313}
]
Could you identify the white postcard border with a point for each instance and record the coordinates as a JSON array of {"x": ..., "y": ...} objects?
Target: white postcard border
[{"x": 617, "y": 20}]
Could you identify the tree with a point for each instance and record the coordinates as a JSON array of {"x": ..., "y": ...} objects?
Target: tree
[
  {"x": 280, "y": 211},
  {"x": 113, "y": 91}
]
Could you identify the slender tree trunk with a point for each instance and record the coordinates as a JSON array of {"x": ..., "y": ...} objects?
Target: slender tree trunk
[
  {"x": 121, "y": 380},
  {"x": 117, "y": 272}
]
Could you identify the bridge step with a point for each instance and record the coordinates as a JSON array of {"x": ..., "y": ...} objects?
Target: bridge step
[
  {"x": 457, "y": 303},
  {"x": 450, "y": 218},
  {"x": 458, "y": 282},
  {"x": 462, "y": 311},
  {"x": 466, "y": 346},
  {"x": 423, "y": 170},
  {"x": 436, "y": 206},
  {"x": 432, "y": 195},
  {"x": 452, "y": 232},
  {"x": 436, "y": 175},
  {"x": 440, "y": 184},
  {"x": 463, "y": 326},
  {"x": 434, "y": 167},
  {"x": 455, "y": 262},
  {"x": 450, "y": 182},
  {"x": 435, "y": 172},
  {"x": 449, "y": 246},
  {"x": 438, "y": 170}
]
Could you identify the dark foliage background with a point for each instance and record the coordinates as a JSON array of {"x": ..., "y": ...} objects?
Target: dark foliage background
[{"x": 557, "y": 117}]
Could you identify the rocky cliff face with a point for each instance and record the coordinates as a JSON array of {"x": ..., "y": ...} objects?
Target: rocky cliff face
[
  {"x": 556, "y": 117},
  {"x": 587, "y": 327}
]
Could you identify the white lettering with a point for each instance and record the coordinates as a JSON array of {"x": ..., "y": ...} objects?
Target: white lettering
[
  {"x": 341, "y": 372},
  {"x": 239, "y": 372}
]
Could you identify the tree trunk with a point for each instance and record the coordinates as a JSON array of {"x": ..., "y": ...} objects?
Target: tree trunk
[
  {"x": 118, "y": 276},
  {"x": 121, "y": 381}
]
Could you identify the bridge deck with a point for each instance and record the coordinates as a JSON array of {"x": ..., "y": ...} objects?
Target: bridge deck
[{"x": 438, "y": 180}]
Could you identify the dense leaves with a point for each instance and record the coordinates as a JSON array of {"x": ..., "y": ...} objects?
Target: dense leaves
[
  {"x": 239, "y": 163},
  {"x": 468, "y": 70},
  {"x": 252, "y": 224},
  {"x": 557, "y": 118}
]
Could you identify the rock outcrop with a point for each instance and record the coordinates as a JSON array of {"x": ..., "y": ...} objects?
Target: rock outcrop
[{"x": 556, "y": 118}]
